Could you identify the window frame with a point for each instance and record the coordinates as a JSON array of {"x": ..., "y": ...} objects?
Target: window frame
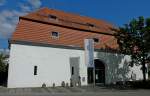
[
  {"x": 35, "y": 70},
  {"x": 52, "y": 17},
  {"x": 54, "y": 36},
  {"x": 91, "y": 25},
  {"x": 72, "y": 70},
  {"x": 95, "y": 38}
]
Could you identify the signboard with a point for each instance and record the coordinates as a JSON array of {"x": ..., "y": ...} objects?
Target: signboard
[{"x": 89, "y": 52}]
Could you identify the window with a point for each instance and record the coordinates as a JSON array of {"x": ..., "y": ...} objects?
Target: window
[
  {"x": 72, "y": 71},
  {"x": 96, "y": 40},
  {"x": 55, "y": 34},
  {"x": 91, "y": 25},
  {"x": 52, "y": 16},
  {"x": 35, "y": 70}
]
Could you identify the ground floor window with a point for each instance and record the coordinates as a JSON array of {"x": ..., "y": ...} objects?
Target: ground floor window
[{"x": 35, "y": 70}]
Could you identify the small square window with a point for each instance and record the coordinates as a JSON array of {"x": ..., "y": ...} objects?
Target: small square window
[
  {"x": 52, "y": 16},
  {"x": 96, "y": 40},
  {"x": 55, "y": 34},
  {"x": 91, "y": 25}
]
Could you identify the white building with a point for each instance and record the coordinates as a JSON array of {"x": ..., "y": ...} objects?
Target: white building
[{"x": 48, "y": 47}]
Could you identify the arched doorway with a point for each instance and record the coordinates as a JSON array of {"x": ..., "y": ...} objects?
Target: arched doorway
[{"x": 99, "y": 72}]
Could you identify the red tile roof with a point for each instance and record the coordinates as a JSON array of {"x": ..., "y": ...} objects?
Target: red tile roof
[{"x": 36, "y": 27}]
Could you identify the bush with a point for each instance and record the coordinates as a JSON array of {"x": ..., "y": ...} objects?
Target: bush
[
  {"x": 53, "y": 84},
  {"x": 63, "y": 84},
  {"x": 43, "y": 85},
  {"x": 141, "y": 84},
  {"x": 149, "y": 74}
]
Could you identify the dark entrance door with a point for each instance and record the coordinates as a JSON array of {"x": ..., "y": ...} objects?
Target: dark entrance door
[
  {"x": 99, "y": 76},
  {"x": 99, "y": 72},
  {"x": 90, "y": 75}
]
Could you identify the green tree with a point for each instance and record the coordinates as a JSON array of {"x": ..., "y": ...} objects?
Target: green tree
[
  {"x": 134, "y": 39},
  {"x": 3, "y": 63}
]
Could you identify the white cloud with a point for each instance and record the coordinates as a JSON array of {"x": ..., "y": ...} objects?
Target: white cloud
[
  {"x": 9, "y": 18},
  {"x": 25, "y": 7},
  {"x": 8, "y": 21},
  {"x": 35, "y": 3},
  {"x": 30, "y": 5}
]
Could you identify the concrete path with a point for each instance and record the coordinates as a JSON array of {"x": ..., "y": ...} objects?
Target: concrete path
[{"x": 76, "y": 91}]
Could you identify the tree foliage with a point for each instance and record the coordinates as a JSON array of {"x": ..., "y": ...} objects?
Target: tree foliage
[
  {"x": 3, "y": 63},
  {"x": 134, "y": 39}
]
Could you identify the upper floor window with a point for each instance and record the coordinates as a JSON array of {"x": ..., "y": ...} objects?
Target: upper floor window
[
  {"x": 90, "y": 25},
  {"x": 55, "y": 34},
  {"x": 96, "y": 40},
  {"x": 52, "y": 16}
]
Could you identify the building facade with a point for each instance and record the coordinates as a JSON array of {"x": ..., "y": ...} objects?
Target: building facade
[{"x": 47, "y": 47}]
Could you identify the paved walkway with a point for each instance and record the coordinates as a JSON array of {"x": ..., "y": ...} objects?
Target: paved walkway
[{"x": 76, "y": 91}]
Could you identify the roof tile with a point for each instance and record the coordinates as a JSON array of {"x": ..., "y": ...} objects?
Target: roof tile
[{"x": 36, "y": 32}]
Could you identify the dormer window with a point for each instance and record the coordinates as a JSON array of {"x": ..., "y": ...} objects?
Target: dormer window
[
  {"x": 96, "y": 40},
  {"x": 90, "y": 25},
  {"x": 55, "y": 34},
  {"x": 52, "y": 16}
]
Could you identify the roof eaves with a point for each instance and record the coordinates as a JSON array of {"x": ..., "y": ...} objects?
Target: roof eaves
[{"x": 58, "y": 46}]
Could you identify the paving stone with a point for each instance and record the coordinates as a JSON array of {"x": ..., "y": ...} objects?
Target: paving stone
[
  {"x": 72, "y": 91},
  {"x": 64, "y": 89}
]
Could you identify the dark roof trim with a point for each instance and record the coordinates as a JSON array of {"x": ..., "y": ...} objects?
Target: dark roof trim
[
  {"x": 57, "y": 46},
  {"x": 25, "y": 18}
]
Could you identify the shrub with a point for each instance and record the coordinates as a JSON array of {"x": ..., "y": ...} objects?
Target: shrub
[
  {"x": 43, "y": 85},
  {"x": 141, "y": 84},
  {"x": 63, "y": 84}
]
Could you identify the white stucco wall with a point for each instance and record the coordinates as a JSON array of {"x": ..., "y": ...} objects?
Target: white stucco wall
[
  {"x": 53, "y": 66},
  {"x": 118, "y": 69}
]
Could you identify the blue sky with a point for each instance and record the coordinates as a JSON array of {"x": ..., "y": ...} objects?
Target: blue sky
[{"x": 117, "y": 12}]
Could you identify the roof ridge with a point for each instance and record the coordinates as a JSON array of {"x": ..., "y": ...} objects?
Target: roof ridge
[{"x": 72, "y": 14}]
